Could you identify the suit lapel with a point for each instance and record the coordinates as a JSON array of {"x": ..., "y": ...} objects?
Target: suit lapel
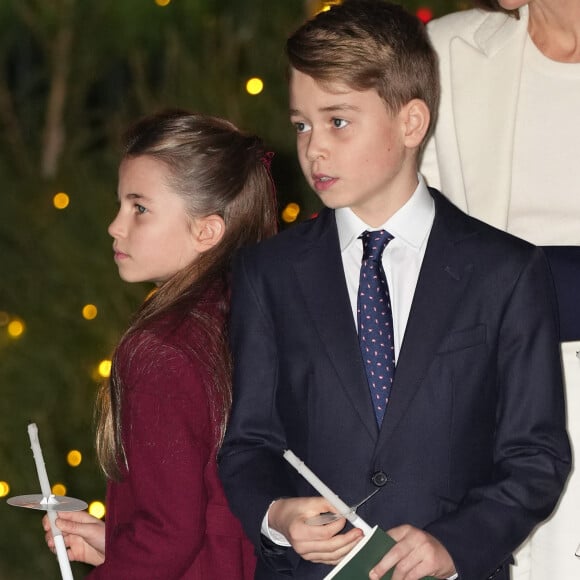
[
  {"x": 485, "y": 111},
  {"x": 320, "y": 275},
  {"x": 442, "y": 281}
]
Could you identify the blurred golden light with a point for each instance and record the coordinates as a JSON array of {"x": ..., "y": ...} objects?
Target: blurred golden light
[
  {"x": 4, "y": 488},
  {"x": 61, "y": 200},
  {"x": 74, "y": 458},
  {"x": 16, "y": 328},
  {"x": 162, "y": 2},
  {"x": 254, "y": 86},
  {"x": 290, "y": 212},
  {"x": 4, "y": 318},
  {"x": 326, "y": 5},
  {"x": 89, "y": 312},
  {"x": 97, "y": 509},
  {"x": 105, "y": 368},
  {"x": 59, "y": 489}
]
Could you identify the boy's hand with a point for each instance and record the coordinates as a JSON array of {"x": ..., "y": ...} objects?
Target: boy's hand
[
  {"x": 319, "y": 544},
  {"x": 416, "y": 554}
]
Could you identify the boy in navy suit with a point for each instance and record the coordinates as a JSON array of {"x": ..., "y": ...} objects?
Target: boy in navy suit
[{"x": 456, "y": 412}]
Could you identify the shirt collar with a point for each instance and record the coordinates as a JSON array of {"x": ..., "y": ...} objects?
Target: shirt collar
[{"x": 411, "y": 224}]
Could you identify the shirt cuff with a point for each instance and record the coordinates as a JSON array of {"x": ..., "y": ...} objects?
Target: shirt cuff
[{"x": 276, "y": 537}]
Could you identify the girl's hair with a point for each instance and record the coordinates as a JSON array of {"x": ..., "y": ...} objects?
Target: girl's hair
[
  {"x": 216, "y": 169},
  {"x": 494, "y": 6}
]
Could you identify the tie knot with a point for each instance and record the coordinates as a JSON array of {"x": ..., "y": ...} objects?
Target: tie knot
[{"x": 374, "y": 243}]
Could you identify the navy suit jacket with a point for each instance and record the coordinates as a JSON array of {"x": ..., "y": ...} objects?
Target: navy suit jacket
[{"x": 473, "y": 446}]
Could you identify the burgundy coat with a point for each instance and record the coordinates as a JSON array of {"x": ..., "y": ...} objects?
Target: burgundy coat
[{"x": 168, "y": 519}]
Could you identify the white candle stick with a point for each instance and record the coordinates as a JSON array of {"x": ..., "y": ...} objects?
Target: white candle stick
[
  {"x": 326, "y": 492},
  {"x": 48, "y": 498}
]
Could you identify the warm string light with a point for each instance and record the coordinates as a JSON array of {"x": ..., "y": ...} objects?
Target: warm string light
[
  {"x": 254, "y": 86},
  {"x": 58, "y": 489},
  {"x": 4, "y": 488},
  {"x": 97, "y": 509},
  {"x": 89, "y": 311},
  {"x": 424, "y": 14},
  {"x": 74, "y": 458},
  {"x": 13, "y": 325},
  {"x": 290, "y": 213},
  {"x": 15, "y": 328},
  {"x": 104, "y": 368},
  {"x": 325, "y": 5},
  {"x": 60, "y": 200}
]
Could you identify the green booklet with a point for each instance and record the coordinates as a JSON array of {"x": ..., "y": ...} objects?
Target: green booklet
[{"x": 357, "y": 564}]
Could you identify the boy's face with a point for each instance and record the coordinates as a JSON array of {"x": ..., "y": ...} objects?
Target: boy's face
[{"x": 351, "y": 149}]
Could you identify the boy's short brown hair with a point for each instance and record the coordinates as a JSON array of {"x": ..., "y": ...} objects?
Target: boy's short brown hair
[{"x": 369, "y": 44}]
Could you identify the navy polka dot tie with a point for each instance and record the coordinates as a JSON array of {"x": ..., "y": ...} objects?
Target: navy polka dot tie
[{"x": 375, "y": 321}]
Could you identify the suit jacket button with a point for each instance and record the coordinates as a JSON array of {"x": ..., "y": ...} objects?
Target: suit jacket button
[{"x": 380, "y": 478}]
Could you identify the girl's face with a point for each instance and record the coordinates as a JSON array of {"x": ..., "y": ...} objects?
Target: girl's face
[{"x": 153, "y": 234}]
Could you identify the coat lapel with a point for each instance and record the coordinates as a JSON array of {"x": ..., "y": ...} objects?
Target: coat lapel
[
  {"x": 320, "y": 275},
  {"x": 485, "y": 82},
  {"x": 442, "y": 281}
]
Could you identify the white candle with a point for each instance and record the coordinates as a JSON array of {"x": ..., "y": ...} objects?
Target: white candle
[
  {"x": 326, "y": 492},
  {"x": 48, "y": 498},
  {"x": 39, "y": 461}
]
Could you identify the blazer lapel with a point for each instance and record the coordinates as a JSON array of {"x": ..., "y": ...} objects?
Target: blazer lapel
[
  {"x": 442, "y": 281},
  {"x": 485, "y": 82},
  {"x": 320, "y": 274}
]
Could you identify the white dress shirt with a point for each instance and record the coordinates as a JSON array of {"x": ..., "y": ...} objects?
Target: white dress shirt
[{"x": 402, "y": 258}]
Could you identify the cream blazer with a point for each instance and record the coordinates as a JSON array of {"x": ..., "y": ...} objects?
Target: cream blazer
[{"x": 469, "y": 157}]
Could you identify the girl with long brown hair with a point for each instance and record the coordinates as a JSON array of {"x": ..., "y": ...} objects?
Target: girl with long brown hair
[{"x": 192, "y": 190}]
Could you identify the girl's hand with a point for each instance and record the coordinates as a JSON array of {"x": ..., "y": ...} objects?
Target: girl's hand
[{"x": 84, "y": 536}]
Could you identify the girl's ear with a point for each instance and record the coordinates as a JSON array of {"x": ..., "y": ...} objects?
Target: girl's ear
[{"x": 208, "y": 231}]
